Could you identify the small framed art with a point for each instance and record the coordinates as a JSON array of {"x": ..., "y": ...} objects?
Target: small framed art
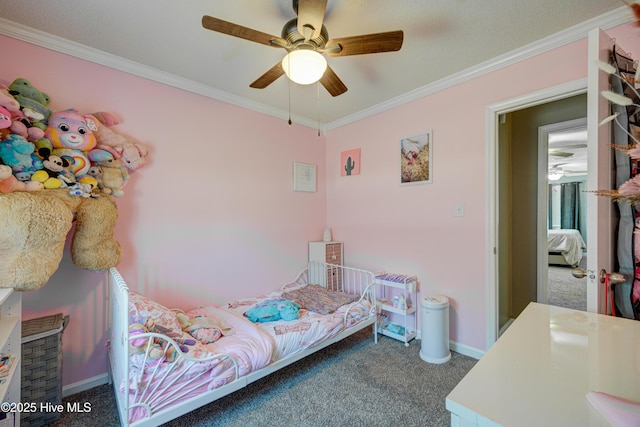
[
  {"x": 350, "y": 162},
  {"x": 416, "y": 153},
  {"x": 304, "y": 177}
]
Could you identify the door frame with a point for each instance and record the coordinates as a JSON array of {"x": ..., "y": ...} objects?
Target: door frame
[
  {"x": 492, "y": 119},
  {"x": 543, "y": 198}
]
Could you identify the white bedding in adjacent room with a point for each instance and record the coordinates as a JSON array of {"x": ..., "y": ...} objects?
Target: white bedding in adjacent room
[{"x": 568, "y": 242}]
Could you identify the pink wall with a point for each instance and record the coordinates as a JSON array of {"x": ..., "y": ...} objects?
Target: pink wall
[
  {"x": 212, "y": 215},
  {"x": 412, "y": 229}
]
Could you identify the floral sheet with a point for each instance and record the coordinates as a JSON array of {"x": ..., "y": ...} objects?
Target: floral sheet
[{"x": 166, "y": 378}]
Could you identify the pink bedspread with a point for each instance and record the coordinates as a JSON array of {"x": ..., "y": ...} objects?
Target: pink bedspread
[
  {"x": 309, "y": 329},
  {"x": 168, "y": 383}
]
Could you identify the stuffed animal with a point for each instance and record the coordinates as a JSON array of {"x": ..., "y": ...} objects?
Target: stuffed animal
[
  {"x": 132, "y": 152},
  {"x": 33, "y": 102},
  {"x": 5, "y": 122},
  {"x": 8, "y": 101},
  {"x": 52, "y": 167},
  {"x": 112, "y": 174},
  {"x": 9, "y": 183},
  {"x": 34, "y": 231},
  {"x": 71, "y": 133},
  {"x": 18, "y": 153}
]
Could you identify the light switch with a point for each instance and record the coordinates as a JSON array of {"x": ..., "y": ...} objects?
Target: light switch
[{"x": 458, "y": 209}]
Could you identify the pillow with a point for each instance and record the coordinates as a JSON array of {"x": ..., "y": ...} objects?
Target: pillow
[
  {"x": 319, "y": 299},
  {"x": 141, "y": 309}
]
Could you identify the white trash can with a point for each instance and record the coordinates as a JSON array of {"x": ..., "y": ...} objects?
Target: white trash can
[{"x": 435, "y": 329}]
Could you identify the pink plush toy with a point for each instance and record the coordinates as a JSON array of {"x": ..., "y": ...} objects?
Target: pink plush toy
[
  {"x": 9, "y": 183},
  {"x": 132, "y": 153},
  {"x": 71, "y": 133}
]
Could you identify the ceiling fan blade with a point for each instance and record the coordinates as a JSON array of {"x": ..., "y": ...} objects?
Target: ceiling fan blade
[
  {"x": 560, "y": 154},
  {"x": 310, "y": 17},
  {"x": 332, "y": 82},
  {"x": 269, "y": 77},
  {"x": 235, "y": 30},
  {"x": 369, "y": 43}
]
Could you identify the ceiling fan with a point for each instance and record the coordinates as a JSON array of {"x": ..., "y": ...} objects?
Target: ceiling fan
[
  {"x": 307, "y": 36},
  {"x": 558, "y": 151}
]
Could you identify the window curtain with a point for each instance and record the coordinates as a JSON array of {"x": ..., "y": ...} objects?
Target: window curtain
[{"x": 570, "y": 205}]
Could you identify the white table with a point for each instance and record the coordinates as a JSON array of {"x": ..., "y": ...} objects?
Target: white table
[{"x": 539, "y": 372}]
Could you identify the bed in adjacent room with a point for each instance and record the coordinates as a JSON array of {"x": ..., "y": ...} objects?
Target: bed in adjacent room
[
  {"x": 565, "y": 247},
  {"x": 167, "y": 362}
]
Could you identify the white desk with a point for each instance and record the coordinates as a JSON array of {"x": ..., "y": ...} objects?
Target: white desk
[{"x": 540, "y": 370}]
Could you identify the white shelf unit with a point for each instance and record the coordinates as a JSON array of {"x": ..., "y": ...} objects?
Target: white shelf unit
[
  {"x": 390, "y": 285},
  {"x": 11, "y": 343}
]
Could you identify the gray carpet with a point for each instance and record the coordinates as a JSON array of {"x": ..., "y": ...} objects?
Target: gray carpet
[
  {"x": 564, "y": 290},
  {"x": 351, "y": 383}
]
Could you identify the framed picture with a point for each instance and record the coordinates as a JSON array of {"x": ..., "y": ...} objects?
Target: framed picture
[
  {"x": 350, "y": 162},
  {"x": 416, "y": 153},
  {"x": 304, "y": 177}
]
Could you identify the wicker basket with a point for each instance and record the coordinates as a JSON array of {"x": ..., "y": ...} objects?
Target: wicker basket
[{"x": 42, "y": 366}]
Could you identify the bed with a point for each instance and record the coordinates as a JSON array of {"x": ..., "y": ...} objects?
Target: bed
[
  {"x": 565, "y": 247},
  {"x": 181, "y": 360}
]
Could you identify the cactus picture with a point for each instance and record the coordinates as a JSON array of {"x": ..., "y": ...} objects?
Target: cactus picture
[{"x": 350, "y": 162}]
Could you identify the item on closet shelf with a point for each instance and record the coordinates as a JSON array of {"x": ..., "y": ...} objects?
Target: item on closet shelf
[{"x": 9, "y": 183}]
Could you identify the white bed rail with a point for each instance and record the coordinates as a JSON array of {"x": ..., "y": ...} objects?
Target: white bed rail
[
  {"x": 153, "y": 381},
  {"x": 150, "y": 382},
  {"x": 343, "y": 279}
]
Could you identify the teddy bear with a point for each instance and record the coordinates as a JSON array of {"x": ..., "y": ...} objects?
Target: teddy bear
[
  {"x": 18, "y": 153},
  {"x": 112, "y": 175},
  {"x": 70, "y": 133},
  {"x": 33, "y": 102},
  {"x": 9, "y": 183},
  {"x": 35, "y": 227}
]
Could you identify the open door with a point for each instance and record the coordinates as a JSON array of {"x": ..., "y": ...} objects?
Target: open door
[{"x": 602, "y": 217}]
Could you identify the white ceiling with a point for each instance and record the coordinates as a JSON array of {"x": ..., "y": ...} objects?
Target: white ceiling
[
  {"x": 568, "y": 151},
  {"x": 441, "y": 38}
]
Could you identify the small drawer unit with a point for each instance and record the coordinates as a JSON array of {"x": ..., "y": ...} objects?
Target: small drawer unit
[
  {"x": 397, "y": 300},
  {"x": 330, "y": 253}
]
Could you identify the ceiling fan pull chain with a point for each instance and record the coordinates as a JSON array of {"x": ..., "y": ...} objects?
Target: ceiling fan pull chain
[
  {"x": 289, "y": 89},
  {"x": 318, "y": 105}
]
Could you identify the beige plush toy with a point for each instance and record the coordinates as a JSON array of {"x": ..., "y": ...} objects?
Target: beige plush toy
[{"x": 34, "y": 230}]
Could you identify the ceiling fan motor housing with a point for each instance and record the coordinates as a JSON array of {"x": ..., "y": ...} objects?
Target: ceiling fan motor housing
[{"x": 294, "y": 38}]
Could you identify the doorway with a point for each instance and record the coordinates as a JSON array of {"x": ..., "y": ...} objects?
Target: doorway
[
  {"x": 562, "y": 210},
  {"x": 513, "y": 125}
]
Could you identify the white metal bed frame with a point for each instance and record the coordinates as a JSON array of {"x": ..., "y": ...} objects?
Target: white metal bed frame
[{"x": 335, "y": 277}]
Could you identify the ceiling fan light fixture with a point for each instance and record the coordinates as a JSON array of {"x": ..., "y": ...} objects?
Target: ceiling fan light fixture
[
  {"x": 304, "y": 66},
  {"x": 555, "y": 174}
]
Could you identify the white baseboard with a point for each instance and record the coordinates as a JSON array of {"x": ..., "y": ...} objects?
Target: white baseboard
[
  {"x": 460, "y": 348},
  {"x": 84, "y": 385}
]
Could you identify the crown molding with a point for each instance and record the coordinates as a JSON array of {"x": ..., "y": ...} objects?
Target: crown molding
[
  {"x": 40, "y": 38},
  {"x": 77, "y": 50},
  {"x": 606, "y": 21}
]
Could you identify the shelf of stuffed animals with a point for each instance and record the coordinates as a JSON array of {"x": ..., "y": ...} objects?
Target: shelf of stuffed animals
[{"x": 10, "y": 344}]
